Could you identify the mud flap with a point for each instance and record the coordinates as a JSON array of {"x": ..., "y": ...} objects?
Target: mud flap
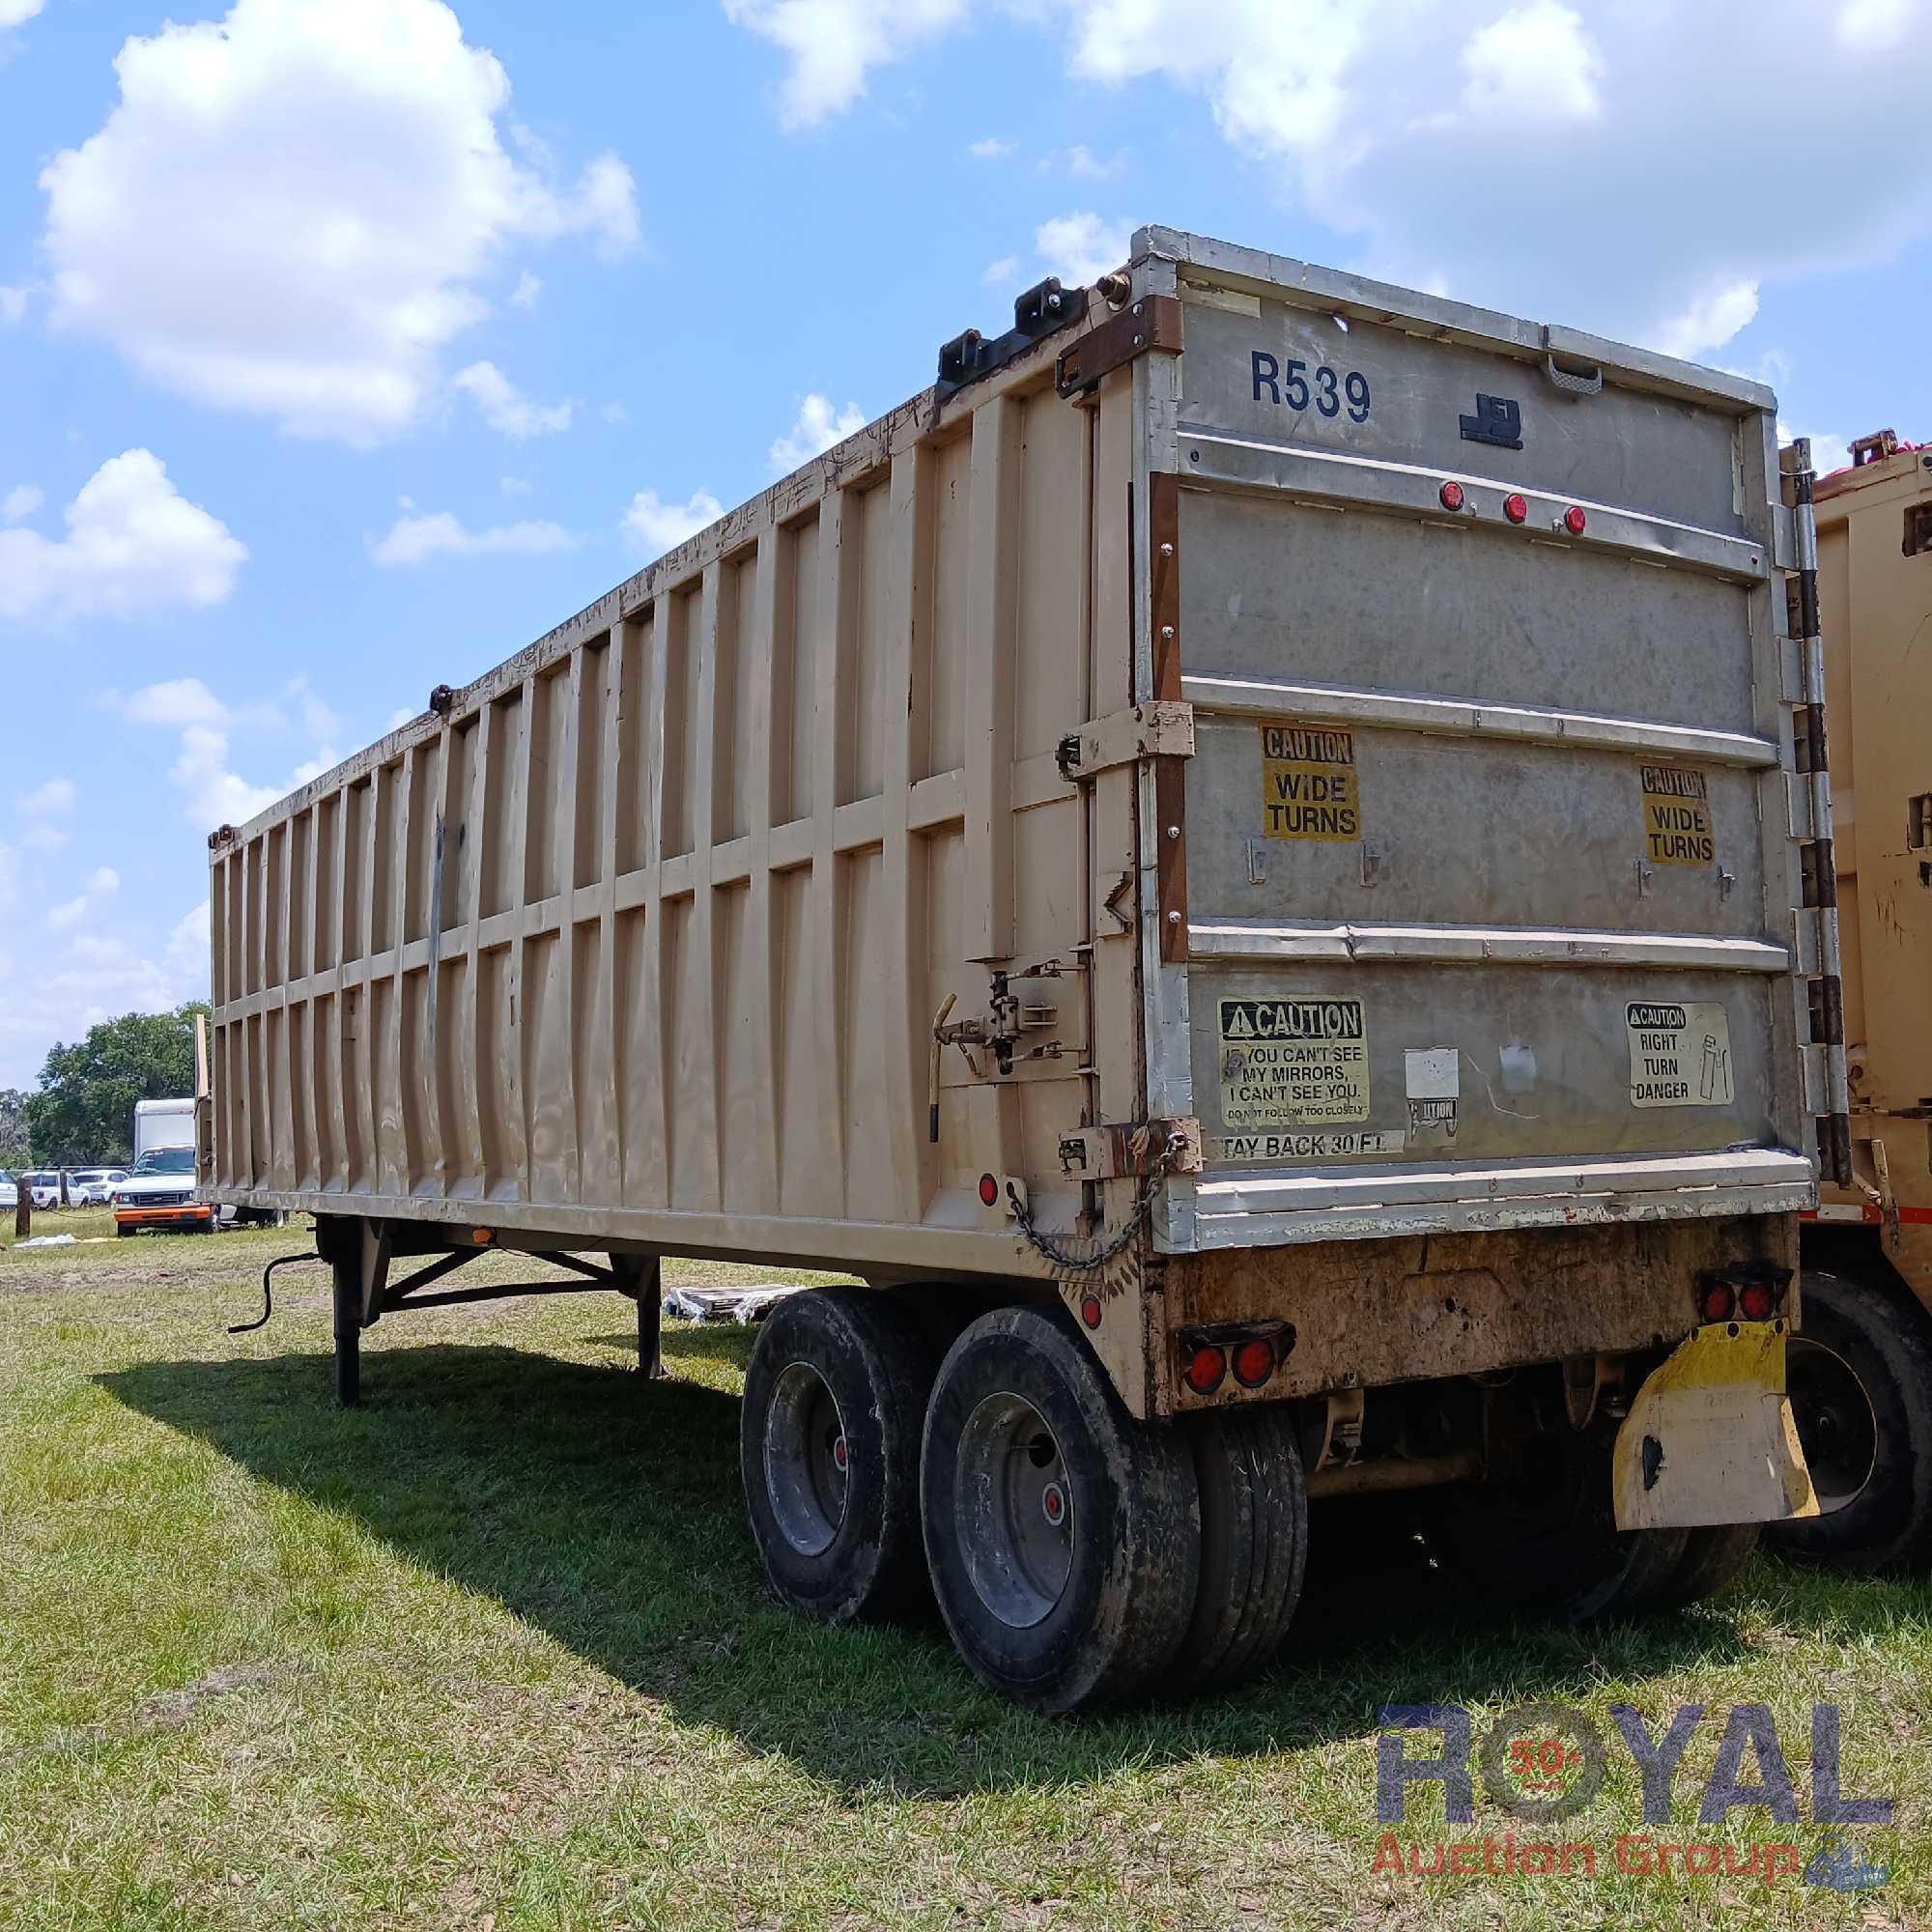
[{"x": 1710, "y": 1438}]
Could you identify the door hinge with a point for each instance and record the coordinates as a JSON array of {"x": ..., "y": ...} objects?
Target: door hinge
[
  {"x": 1161, "y": 728},
  {"x": 1151, "y": 322},
  {"x": 1133, "y": 1147}
]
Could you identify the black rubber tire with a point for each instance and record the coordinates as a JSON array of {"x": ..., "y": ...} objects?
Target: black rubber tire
[
  {"x": 1713, "y": 1560},
  {"x": 878, "y": 1367},
  {"x": 1886, "y": 1341},
  {"x": 1254, "y": 1543},
  {"x": 1543, "y": 1536},
  {"x": 123, "y": 1233},
  {"x": 1114, "y": 1627}
]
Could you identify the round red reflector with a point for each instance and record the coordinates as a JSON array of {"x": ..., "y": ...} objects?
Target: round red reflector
[
  {"x": 1090, "y": 1310},
  {"x": 1719, "y": 1301},
  {"x": 1452, "y": 495},
  {"x": 1516, "y": 508},
  {"x": 1205, "y": 1369},
  {"x": 1756, "y": 1302},
  {"x": 989, "y": 1190},
  {"x": 1254, "y": 1363},
  {"x": 1574, "y": 521}
]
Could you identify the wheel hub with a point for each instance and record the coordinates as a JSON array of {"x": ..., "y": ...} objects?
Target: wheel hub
[
  {"x": 806, "y": 1459},
  {"x": 1015, "y": 1510}
]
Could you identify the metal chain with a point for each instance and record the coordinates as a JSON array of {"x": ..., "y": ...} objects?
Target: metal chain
[{"x": 1074, "y": 1263}]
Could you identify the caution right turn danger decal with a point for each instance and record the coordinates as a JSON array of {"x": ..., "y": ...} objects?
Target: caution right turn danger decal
[{"x": 1680, "y": 1055}]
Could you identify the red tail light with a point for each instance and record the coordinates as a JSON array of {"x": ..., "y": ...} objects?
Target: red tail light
[
  {"x": 1516, "y": 508},
  {"x": 1719, "y": 1301},
  {"x": 1452, "y": 495},
  {"x": 1090, "y": 1310},
  {"x": 1757, "y": 1302},
  {"x": 1204, "y": 1369},
  {"x": 1254, "y": 1363},
  {"x": 990, "y": 1191},
  {"x": 1574, "y": 521}
]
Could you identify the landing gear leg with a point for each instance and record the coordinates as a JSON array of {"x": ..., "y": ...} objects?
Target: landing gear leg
[
  {"x": 644, "y": 1279},
  {"x": 347, "y": 1334}
]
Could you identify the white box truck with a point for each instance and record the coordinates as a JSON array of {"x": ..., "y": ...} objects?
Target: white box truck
[{"x": 160, "y": 1194}]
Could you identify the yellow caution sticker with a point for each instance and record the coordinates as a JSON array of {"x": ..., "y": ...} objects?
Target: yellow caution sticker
[
  {"x": 1295, "y": 1063},
  {"x": 1308, "y": 783},
  {"x": 1676, "y": 817}
]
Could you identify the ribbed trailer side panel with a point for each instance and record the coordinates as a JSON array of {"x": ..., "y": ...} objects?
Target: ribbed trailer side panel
[{"x": 654, "y": 921}]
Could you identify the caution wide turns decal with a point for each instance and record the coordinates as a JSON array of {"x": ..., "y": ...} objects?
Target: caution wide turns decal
[
  {"x": 1308, "y": 783},
  {"x": 1676, "y": 817}
]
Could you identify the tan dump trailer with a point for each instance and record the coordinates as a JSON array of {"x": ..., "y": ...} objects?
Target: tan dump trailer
[
  {"x": 1238, "y": 861},
  {"x": 1862, "y": 1373}
]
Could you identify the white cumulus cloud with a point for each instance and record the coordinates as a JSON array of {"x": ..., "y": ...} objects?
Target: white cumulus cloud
[
  {"x": 1534, "y": 63},
  {"x": 133, "y": 544},
  {"x": 13, "y": 12},
  {"x": 1709, "y": 322},
  {"x": 214, "y": 792},
  {"x": 21, "y": 502},
  {"x": 658, "y": 526},
  {"x": 832, "y": 44},
  {"x": 55, "y": 799},
  {"x": 505, "y": 409},
  {"x": 417, "y": 538},
  {"x": 1081, "y": 247},
  {"x": 1573, "y": 162},
  {"x": 290, "y": 211},
  {"x": 818, "y": 428}
]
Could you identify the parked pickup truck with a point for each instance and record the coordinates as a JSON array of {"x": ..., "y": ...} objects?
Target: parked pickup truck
[{"x": 160, "y": 1195}]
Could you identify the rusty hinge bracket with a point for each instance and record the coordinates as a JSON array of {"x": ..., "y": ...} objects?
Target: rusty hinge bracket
[
  {"x": 1874, "y": 449},
  {"x": 1161, "y": 728},
  {"x": 1133, "y": 1147},
  {"x": 1151, "y": 322}
]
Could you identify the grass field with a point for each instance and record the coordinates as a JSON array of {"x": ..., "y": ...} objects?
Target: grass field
[{"x": 492, "y": 1652}]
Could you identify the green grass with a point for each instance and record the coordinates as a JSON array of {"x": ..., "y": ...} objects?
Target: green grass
[{"x": 492, "y": 1652}]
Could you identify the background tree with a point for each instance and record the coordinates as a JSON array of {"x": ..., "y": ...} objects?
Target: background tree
[
  {"x": 14, "y": 1150},
  {"x": 84, "y": 1112}
]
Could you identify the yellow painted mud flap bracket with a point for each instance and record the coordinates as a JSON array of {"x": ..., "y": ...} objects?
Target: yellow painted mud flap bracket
[{"x": 1710, "y": 1438}]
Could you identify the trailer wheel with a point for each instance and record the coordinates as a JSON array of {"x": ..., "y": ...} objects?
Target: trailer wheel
[
  {"x": 1063, "y": 1538},
  {"x": 1860, "y": 1376},
  {"x": 829, "y": 1451},
  {"x": 1542, "y": 1533},
  {"x": 1713, "y": 1560},
  {"x": 1254, "y": 1541}
]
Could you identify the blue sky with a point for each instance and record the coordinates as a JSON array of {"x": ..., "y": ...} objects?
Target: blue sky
[{"x": 350, "y": 344}]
